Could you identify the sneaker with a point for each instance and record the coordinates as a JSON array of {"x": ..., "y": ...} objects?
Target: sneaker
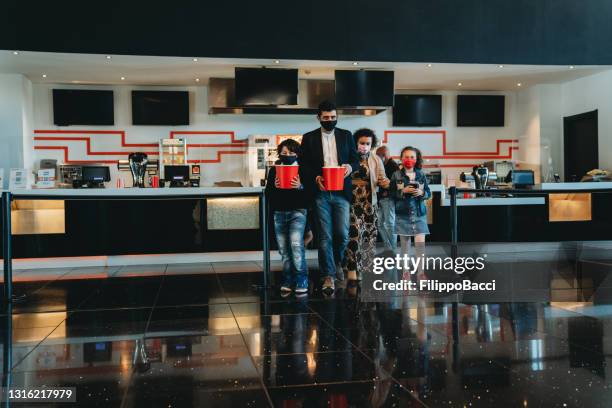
[
  {"x": 328, "y": 284},
  {"x": 301, "y": 289},
  {"x": 285, "y": 288}
]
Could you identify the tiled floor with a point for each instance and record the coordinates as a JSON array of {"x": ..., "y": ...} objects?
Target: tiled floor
[{"x": 206, "y": 335}]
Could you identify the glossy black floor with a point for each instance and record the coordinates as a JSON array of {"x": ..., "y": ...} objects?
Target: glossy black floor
[{"x": 206, "y": 336}]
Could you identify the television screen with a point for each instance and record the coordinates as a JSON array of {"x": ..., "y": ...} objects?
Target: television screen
[
  {"x": 480, "y": 110},
  {"x": 364, "y": 88},
  {"x": 266, "y": 86},
  {"x": 417, "y": 110},
  {"x": 160, "y": 108},
  {"x": 83, "y": 107}
]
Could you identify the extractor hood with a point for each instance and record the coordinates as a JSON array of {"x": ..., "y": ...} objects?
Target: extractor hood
[{"x": 311, "y": 92}]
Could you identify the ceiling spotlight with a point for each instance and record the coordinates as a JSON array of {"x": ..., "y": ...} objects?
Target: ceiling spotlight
[
  {"x": 429, "y": 65},
  {"x": 500, "y": 66},
  {"x": 459, "y": 84},
  {"x": 123, "y": 78},
  {"x": 108, "y": 57},
  {"x": 15, "y": 52},
  {"x": 44, "y": 75},
  {"x": 355, "y": 64},
  {"x": 571, "y": 67},
  {"x": 195, "y": 60},
  {"x": 197, "y": 79},
  {"x": 276, "y": 61},
  {"x": 519, "y": 84}
]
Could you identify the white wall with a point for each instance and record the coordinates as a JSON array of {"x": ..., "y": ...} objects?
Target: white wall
[
  {"x": 231, "y": 167},
  {"x": 13, "y": 102},
  {"x": 587, "y": 94}
]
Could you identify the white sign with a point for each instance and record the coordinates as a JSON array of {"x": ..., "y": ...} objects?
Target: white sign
[
  {"x": 18, "y": 179},
  {"x": 45, "y": 178}
]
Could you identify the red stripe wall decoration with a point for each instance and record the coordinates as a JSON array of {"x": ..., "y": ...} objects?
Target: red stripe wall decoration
[{"x": 85, "y": 136}]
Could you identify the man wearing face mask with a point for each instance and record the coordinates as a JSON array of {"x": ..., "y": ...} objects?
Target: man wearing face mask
[{"x": 330, "y": 146}]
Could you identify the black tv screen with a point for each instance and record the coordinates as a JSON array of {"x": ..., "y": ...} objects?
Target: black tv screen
[
  {"x": 266, "y": 86},
  {"x": 169, "y": 108},
  {"x": 480, "y": 110},
  {"x": 417, "y": 110},
  {"x": 83, "y": 107},
  {"x": 364, "y": 88}
]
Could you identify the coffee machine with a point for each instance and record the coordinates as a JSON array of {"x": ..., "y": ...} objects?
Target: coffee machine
[
  {"x": 138, "y": 166},
  {"x": 480, "y": 176}
]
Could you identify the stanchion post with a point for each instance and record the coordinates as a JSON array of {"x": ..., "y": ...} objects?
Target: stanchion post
[
  {"x": 7, "y": 253},
  {"x": 266, "y": 239}
]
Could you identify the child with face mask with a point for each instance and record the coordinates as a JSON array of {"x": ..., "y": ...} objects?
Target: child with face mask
[
  {"x": 411, "y": 190},
  {"x": 288, "y": 207},
  {"x": 365, "y": 180}
]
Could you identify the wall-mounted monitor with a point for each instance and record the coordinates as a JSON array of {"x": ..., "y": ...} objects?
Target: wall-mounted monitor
[
  {"x": 83, "y": 107},
  {"x": 266, "y": 86},
  {"x": 417, "y": 110},
  {"x": 480, "y": 110},
  {"x": 364, "y": 88},
  {"x": 169, "y": 108}
]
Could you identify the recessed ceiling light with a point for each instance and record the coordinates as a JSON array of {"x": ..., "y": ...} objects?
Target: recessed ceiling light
[
  {"x": 108, "y": 57},
  {"x": 195, "y": 60},
  {"x": 355, "y": 63},
  {"x": 276, "y": 61},
  {"x": 459, "y": 84},
  {"x": 429, "y": 65},
  {"x": 197, "y": 79},
  {"x": 44, "y": 75},
  {"x": 519, "y": 84},
  {"x": 500, "y": 66},
  {"x": 123, "y": 78},
  {"x": 571, "y": 67},
  {"x": 15, "y": 52}
]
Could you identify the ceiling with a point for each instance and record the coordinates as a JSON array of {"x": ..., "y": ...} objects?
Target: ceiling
[{"x": 149, "y": 70}]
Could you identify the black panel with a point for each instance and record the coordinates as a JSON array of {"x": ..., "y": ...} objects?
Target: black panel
[
  {"x": 480, "y": 110},
  {"x": 364, "y": 88},
  {"x": 262, "y": 86},
  {"x": 160, "y": 108},
  {"x": 417, "y": 110},
  {"x": 83, "y": 107},
  {"x": 567, "y": 32}
]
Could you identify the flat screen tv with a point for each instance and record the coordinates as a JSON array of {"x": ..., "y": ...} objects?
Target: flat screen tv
[
  {"x": 170, "y": 108},
  {"x": 266, "y": 86},
  {"x": 83, "y": 107},
  {"x": 364, "y": 88},
  {"x": 417, "y": 110},
  {"x": 480, "y": 110}
]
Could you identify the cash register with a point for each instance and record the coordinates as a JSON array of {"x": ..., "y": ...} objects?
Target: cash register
[{"x": 177, "y": 175}]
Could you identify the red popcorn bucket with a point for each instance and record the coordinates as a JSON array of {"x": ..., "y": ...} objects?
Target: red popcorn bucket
[
  {"x": 285, "y": 174},
  {"x": 155, "y": 181},
  {"x": 333, "y": 178}
]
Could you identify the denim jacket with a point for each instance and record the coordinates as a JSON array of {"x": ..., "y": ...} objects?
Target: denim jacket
[{"x": 405, "y": 203}]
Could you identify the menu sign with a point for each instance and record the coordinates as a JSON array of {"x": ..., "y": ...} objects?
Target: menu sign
[{"x": 18, "y": 179}]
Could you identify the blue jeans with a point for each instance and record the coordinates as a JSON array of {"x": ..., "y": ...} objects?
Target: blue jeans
[
  {"x": 386, "y": 222},
  {"x": 289, "y": 228},
  {"x": 333, "y": 212}
]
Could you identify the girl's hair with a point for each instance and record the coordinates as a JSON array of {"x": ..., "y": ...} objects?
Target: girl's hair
[
  {"x": 365, "y": 132},
  {"x": 291, "y": 144},
  {"x": 419, "y": 162}
]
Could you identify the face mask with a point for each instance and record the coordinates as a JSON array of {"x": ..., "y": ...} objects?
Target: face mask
[
  {"x": 287, "y": 160},
  {"x": 362, "y": 149},
  {"x": 409, "y": 163},
  {"x": 328, "y": 125}
]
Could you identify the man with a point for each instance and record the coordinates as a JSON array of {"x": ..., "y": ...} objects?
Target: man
[
  {"x": 330, "y": 146},
  {"x": 386, "y": 205}
]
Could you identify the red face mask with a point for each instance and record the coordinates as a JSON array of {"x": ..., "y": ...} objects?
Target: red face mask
[{"x": 409, "y": 163}]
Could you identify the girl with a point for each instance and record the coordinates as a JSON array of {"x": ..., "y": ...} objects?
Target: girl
[
  {"x": 289, "y": 209},
  {"x": 361, "y": 248},
  {"x": 411, "y": 191}
]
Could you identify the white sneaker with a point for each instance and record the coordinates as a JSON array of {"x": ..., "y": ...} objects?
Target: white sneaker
[{"x": 285, "y": 289}]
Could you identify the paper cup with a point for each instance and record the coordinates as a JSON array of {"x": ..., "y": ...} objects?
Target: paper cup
[
  {"x": 333, "y": 178},
  {"x": 285, "y": 174}
]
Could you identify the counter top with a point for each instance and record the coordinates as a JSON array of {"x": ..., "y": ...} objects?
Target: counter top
[
  {"x": 136, "y": 192},
  {"x": 577, "y": 186},
  {"x": 496, "y": 201}
]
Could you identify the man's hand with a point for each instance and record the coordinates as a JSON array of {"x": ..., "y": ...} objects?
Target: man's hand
[
  {"x": 319, "y": 181},
  {"x": 347, "y": 169},
  {"x": 296, "y": 183},
  {"x": 276, "y": 182}
]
